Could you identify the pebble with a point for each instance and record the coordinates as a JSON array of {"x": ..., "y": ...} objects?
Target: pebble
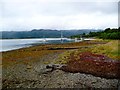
[{"x": 35, "y": 78}]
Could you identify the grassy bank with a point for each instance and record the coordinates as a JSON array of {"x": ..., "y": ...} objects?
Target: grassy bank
[
  {"x": 100, "y": 60},
  {"x": 111, "y": 49},
  {"x": 108, "y": 48}
]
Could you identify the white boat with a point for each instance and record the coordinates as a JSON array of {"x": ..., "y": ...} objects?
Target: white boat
[
  {"x": 61, "y": 37},
  {"x": 44, "y": 40}
]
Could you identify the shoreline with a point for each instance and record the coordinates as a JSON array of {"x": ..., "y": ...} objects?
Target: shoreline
[
  {"x": 33, "y": 42},
  {"x": 43, "y": 42},
  {"x": 26, "y": 68}
]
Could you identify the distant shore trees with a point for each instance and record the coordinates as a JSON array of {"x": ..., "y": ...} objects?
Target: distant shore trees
[{"x": 106, "y": 34}]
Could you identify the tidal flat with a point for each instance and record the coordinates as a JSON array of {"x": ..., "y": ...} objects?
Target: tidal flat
[{"x": 87, "y": 64}]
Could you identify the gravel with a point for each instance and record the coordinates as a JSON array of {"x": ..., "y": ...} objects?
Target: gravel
[{"x": 35, "y": 75}]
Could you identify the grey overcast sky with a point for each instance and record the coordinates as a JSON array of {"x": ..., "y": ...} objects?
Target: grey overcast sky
[{"x": 58, "y": 14}]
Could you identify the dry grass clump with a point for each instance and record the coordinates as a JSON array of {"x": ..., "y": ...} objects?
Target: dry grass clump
[
  {"x": 111, "y": 49},
  {"x": 63, "y": 58}
]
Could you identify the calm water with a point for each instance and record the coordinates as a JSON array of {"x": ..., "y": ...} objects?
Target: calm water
[{"x": 11, "y": 44}]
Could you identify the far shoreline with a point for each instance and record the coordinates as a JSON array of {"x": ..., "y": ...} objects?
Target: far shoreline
[{"x": 43, "y": 43}]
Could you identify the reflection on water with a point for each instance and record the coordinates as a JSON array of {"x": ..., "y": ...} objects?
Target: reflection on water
[{"x": 11, "y": 44}]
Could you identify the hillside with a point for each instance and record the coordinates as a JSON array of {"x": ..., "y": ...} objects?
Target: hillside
[{"x": 42, "y": 33}]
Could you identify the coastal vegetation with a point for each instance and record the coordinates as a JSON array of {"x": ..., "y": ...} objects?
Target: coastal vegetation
[
  {"x": 106, "y": 34},
  {"x": 100, "y": 60},
  {"x": 99, "y": 57},
  {"x": 71, "y": 52}
]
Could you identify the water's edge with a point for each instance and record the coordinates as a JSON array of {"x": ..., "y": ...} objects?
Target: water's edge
[{"x": 12, "y": 44}]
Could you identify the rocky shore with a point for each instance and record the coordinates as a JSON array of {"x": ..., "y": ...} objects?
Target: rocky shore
[{"x": 31, "y": 72}]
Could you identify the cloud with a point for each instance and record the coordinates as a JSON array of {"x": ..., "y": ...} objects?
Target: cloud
[{"x": 28, "y": 14}]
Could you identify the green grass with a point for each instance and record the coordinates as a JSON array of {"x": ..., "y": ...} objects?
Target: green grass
[
  {"x": 110, "y": 49},
  {"x": 63, "y": 58}
]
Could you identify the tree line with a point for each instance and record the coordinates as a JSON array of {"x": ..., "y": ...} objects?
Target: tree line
[{"x": 106, "y": 34}]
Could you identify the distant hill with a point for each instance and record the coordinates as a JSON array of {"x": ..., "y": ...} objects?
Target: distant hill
[{"x": 42, "y": 33}]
